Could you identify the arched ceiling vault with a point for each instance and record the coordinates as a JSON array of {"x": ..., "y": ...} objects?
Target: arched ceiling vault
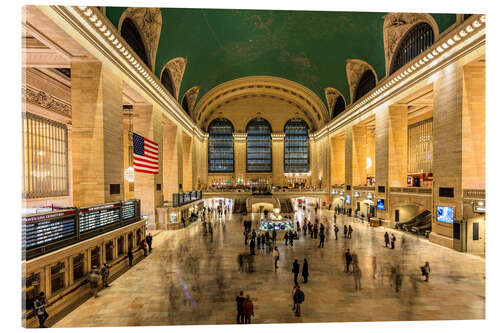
[{"x": 296, "y": 99}]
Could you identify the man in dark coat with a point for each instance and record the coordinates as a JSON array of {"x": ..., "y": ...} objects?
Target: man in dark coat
[
  {"x": 290, "y": 237},
  {"x": 345, "y": 231},
  {"x": 321, "y": 239},
  {"x": 130, "y": 256},
  {"x": 252, "y": 246},
  {"x": 305, "y": 270},
  {"x": 393, "y": 240},
  {"x": 386, "y": 238},
  {"x": 286, "y": 238},
  {"x": 336, "y": 230},
  {"x": 316, "y": 230},
  {"x": 295, "y": 270},
  {"x": 240, "y": 319},
  {"x": 274, "y": 235},
  {"x": 149, "y": 241},
  {"x": 349, "y": 232},
  {"x": 348, "y": 260},
  {"x": 304, "y": 229}
]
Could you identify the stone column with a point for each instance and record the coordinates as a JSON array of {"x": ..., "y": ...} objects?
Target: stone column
[
  {"x": 147, "y": 123},
  {"x": 170, "y": 160},
  {"x": 447, "y": 147},
  {"x": 359, "y": 153},
  {"x": 180, "y": 162},
  {"x": 348, "y": 164},
  {"x": 187, "y": 163},
  {"x": 97, "y": 157},
  {"x": 398, "y": 145},
  {"x": 278, "y": 146},
  {"x": 240, "y": 155},
  {"x": 337, "y": 161},
  {"x": 382, "y": 160}
]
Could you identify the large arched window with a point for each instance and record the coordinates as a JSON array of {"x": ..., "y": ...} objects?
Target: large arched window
[
  {"x": 220, "y": 146},
  {"x": 338, "y": 107},
  {"x": 130, "y": 33},
  {"x": 259, "y": 151},
  {"x": 420, "y": 37},
  {"x": 366, "y": 83},
  {"x": 296, "y": 146}
]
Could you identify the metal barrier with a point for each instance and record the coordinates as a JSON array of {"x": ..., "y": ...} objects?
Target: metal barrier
[{"x": 47, "y": 232}]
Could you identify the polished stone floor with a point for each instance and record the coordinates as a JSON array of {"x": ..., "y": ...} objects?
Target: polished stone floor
[{"x": 191, "y": 279}]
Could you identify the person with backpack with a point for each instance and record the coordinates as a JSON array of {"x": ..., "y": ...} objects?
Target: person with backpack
[
  {"x": 298, "y": 298},
  {"x": 40, "y": 311}
]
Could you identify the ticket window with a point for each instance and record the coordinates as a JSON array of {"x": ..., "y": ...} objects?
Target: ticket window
[{"x": 475, "y": 235}]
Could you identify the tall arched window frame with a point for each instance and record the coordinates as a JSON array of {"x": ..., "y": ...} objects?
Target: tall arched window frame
[
  {"x": 416, "y": 40},
  {"x": 132, "y": 36},
  {"x": 366, "y": 83},
  {"x": 259, "y": 146},
  {"x": 220, "y": 146},
  {"x": 296, "y": 146}
]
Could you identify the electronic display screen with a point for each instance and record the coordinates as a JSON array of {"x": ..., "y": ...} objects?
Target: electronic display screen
[
  {"x": 347, "y": 198},
  {"x": 380, "y": 204},
  {"x": 444, "y": 214}
]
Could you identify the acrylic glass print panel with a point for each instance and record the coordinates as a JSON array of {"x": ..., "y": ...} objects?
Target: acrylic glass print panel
[{"x": 298, "y": 160}]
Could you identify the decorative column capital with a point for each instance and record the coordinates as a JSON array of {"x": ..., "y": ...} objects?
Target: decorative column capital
[
  {"x": 239, "y": 136},
  {"x": 278, "y": 136}
]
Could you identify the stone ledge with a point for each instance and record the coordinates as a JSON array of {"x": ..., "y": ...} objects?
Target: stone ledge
[{"x": 441, "y": 240}]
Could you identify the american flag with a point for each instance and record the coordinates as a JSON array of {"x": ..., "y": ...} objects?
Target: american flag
[{"x": 145, "y": 155}]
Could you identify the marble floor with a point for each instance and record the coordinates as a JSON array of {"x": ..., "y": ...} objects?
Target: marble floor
[{"x": 191, "y": 279}]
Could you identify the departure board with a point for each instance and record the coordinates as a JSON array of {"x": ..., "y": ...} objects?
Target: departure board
[
  {"x": 95, "y": 217},
  {"x": 43, "y": 232},
  {"x": 128, "y": 210}
]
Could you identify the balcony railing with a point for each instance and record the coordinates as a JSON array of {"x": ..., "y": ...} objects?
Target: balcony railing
[
  {"x": 412, "y": 190},
  {"x": 474, "y": 194}
]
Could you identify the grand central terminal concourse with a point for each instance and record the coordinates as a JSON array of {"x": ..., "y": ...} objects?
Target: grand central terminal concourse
[{"x": 231, "y": 166}]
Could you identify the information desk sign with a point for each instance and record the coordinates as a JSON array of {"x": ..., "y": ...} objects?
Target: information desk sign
[
  {"x": 98, "y": 216},
  {"x": 45, "y": 228}
]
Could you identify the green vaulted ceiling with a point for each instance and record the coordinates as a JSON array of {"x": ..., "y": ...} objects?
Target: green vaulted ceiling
[{"x": 303, "y": 46}]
